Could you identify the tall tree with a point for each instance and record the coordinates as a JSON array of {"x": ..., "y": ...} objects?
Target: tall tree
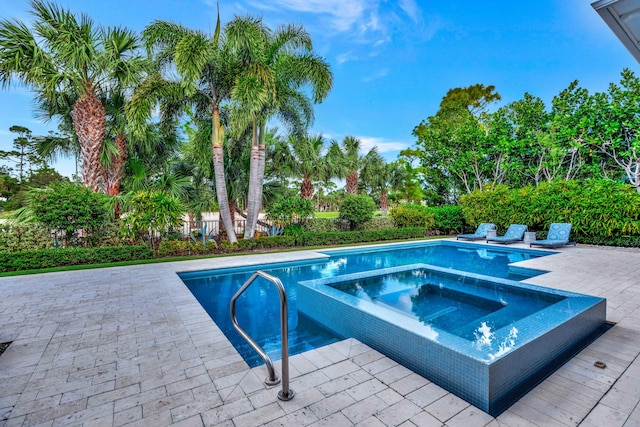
[
  {"x": 614, "y": 125},
  {"x": 348, "y": 161},
  {"x": 207, "y": 74},
  {"x": 64, "y": 53},
  {"x": 308, "y": 162},
  {"x": 455, "y": 138},
  {"x": 282, "y": 78}
]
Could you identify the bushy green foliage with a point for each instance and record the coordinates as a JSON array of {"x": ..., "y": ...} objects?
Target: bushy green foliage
[
  {"x": 596, "y": 208},
  {"x": 378, "y": 223},
  {"x": 21, "y": 237},
  {"x": 289, "y": 209},
  {"x": 448, "y": 218},
  {"x": 357, "y": 209},
  {"x": 150, "y": 213},
  {"x": 318, "y": 225},
  {"x": 413, "y": 216},
  {"x": 69, "y": 208},
  {"x": 185, "y": 248},
  {"x": 294, "y": 230},
  {"x": 59, "y": 257}
]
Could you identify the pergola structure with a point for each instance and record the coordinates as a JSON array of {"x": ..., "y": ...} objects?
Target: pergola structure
[{"x": 623, "y": 17}]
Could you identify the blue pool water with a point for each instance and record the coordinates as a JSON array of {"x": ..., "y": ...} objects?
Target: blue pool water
[{"x": 257, "y": 308}]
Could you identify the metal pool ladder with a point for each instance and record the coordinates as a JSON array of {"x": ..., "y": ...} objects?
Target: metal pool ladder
[{"x": 272, "y": 379}]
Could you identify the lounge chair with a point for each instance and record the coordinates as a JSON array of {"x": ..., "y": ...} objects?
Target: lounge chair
[
  {"x": 558, "y": 236},
  {"x": 515, "y": 233},
  {"x": 481, "y": 232}
]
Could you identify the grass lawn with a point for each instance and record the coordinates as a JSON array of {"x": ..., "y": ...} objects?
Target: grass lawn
[
  {"x": 326, "y": 214},
  {"x": 335, "y": 214}
]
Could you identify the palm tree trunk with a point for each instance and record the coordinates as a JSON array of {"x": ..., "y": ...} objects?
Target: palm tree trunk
[
  {"x": 89, "y": 122},
  {"x": 218, "y": 170},
  {"x": 384, "y": 202},
  {"x": 252, "y": 194},
  {"x": 113, "y": 175},
  {"x": 306, "y": 188},
  {"x": 352, "y": 183},
  {"x": 256, "y": 181}
]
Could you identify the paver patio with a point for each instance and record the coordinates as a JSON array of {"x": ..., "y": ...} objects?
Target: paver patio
[{"x": 132, "y": 346}]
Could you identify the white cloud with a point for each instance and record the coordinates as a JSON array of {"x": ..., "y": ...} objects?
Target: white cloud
[
  {"x": 343, "y": 14},
  {"x": 411, "y": 8},
  {"x": 377, "y": 75},
  {"x": 344, "y": 57},
  {"x": 384, "y": 145}
]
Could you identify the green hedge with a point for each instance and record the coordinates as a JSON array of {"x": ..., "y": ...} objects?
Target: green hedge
[
  {"x": 186, "y": 248},
  {"x": 60, "y": 257},
  {"x": 448, "y": 218},
  {"x": 596, "y": 208},
  {"x": 348, "y": 237},
  {"x": 23, "y": 237},
  {"x": 378, "y": 223},
  {"x": 407, "y": 216},
  {"x": 318, "y": 225}
]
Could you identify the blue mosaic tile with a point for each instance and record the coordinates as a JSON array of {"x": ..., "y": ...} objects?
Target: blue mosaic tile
[{"x": 488, "y": 373}]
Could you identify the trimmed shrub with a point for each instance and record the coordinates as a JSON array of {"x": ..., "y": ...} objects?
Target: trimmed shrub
[
  {"x": 22, "y": 237},
  {"x": 449, "y": 219},
  {"x": 378, "y": 223},
  {"x": 185, "y": 248},
  {"x": 407, "y": 216},
  {"x": 60, "y": 257},
  {"x": 270, "y": 242},
  {"x": 348, "y": 237},
  {"x": 357, "y": 209},
  {"x": 319, "y": 225}
]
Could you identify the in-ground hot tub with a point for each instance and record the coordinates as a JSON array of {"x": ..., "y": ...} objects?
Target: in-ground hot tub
[{"x": 485, "y": 339}]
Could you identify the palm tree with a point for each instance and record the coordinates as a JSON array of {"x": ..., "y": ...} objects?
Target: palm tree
[
  {"x": 280, "y": 68},
  {"x": 349, "y": 161},
  {"x": 379, "y": 177},
  {"x": 307, "y": 160},
  {"x": 207, "y": 74},
  {"x": 64, "y": 54}
]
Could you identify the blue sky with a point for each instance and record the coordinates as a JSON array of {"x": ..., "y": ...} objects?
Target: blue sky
[{"x": 393, "y": 61}]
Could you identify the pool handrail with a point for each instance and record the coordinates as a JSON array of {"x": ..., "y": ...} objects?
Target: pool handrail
[{"x": 286, "y": 393}]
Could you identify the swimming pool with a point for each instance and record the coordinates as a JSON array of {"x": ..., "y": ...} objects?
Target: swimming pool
[{"x": 214, "y": 288}]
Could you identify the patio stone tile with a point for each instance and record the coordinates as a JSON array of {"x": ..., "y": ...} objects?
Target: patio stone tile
[
  {"x": 334, "y": 420},
  {"x": 409, "y": 384},
  {"x": 332, "y": 404},
  {"x": 426, "y": 394},
  {"x": 363, "y": 409},
  {"x": 301, "y": 417},
  {"x": 469, "y": 417},
  {"x": 603, "y": 415},
  {"x": 446, "y": 407},
  {"x": 373, "y": 422},
  {"x": 227, "y": 411},
  {"x": 389, "y": 396},
  {"x": 301, "y": 400},
  {"x": 366, "y": 389},
  {"x": 398, "y": 412},
  {"x": 127, "y": 416},
  {"x": 260, "y": 416},
  {"x": 425, "y": 419}
]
